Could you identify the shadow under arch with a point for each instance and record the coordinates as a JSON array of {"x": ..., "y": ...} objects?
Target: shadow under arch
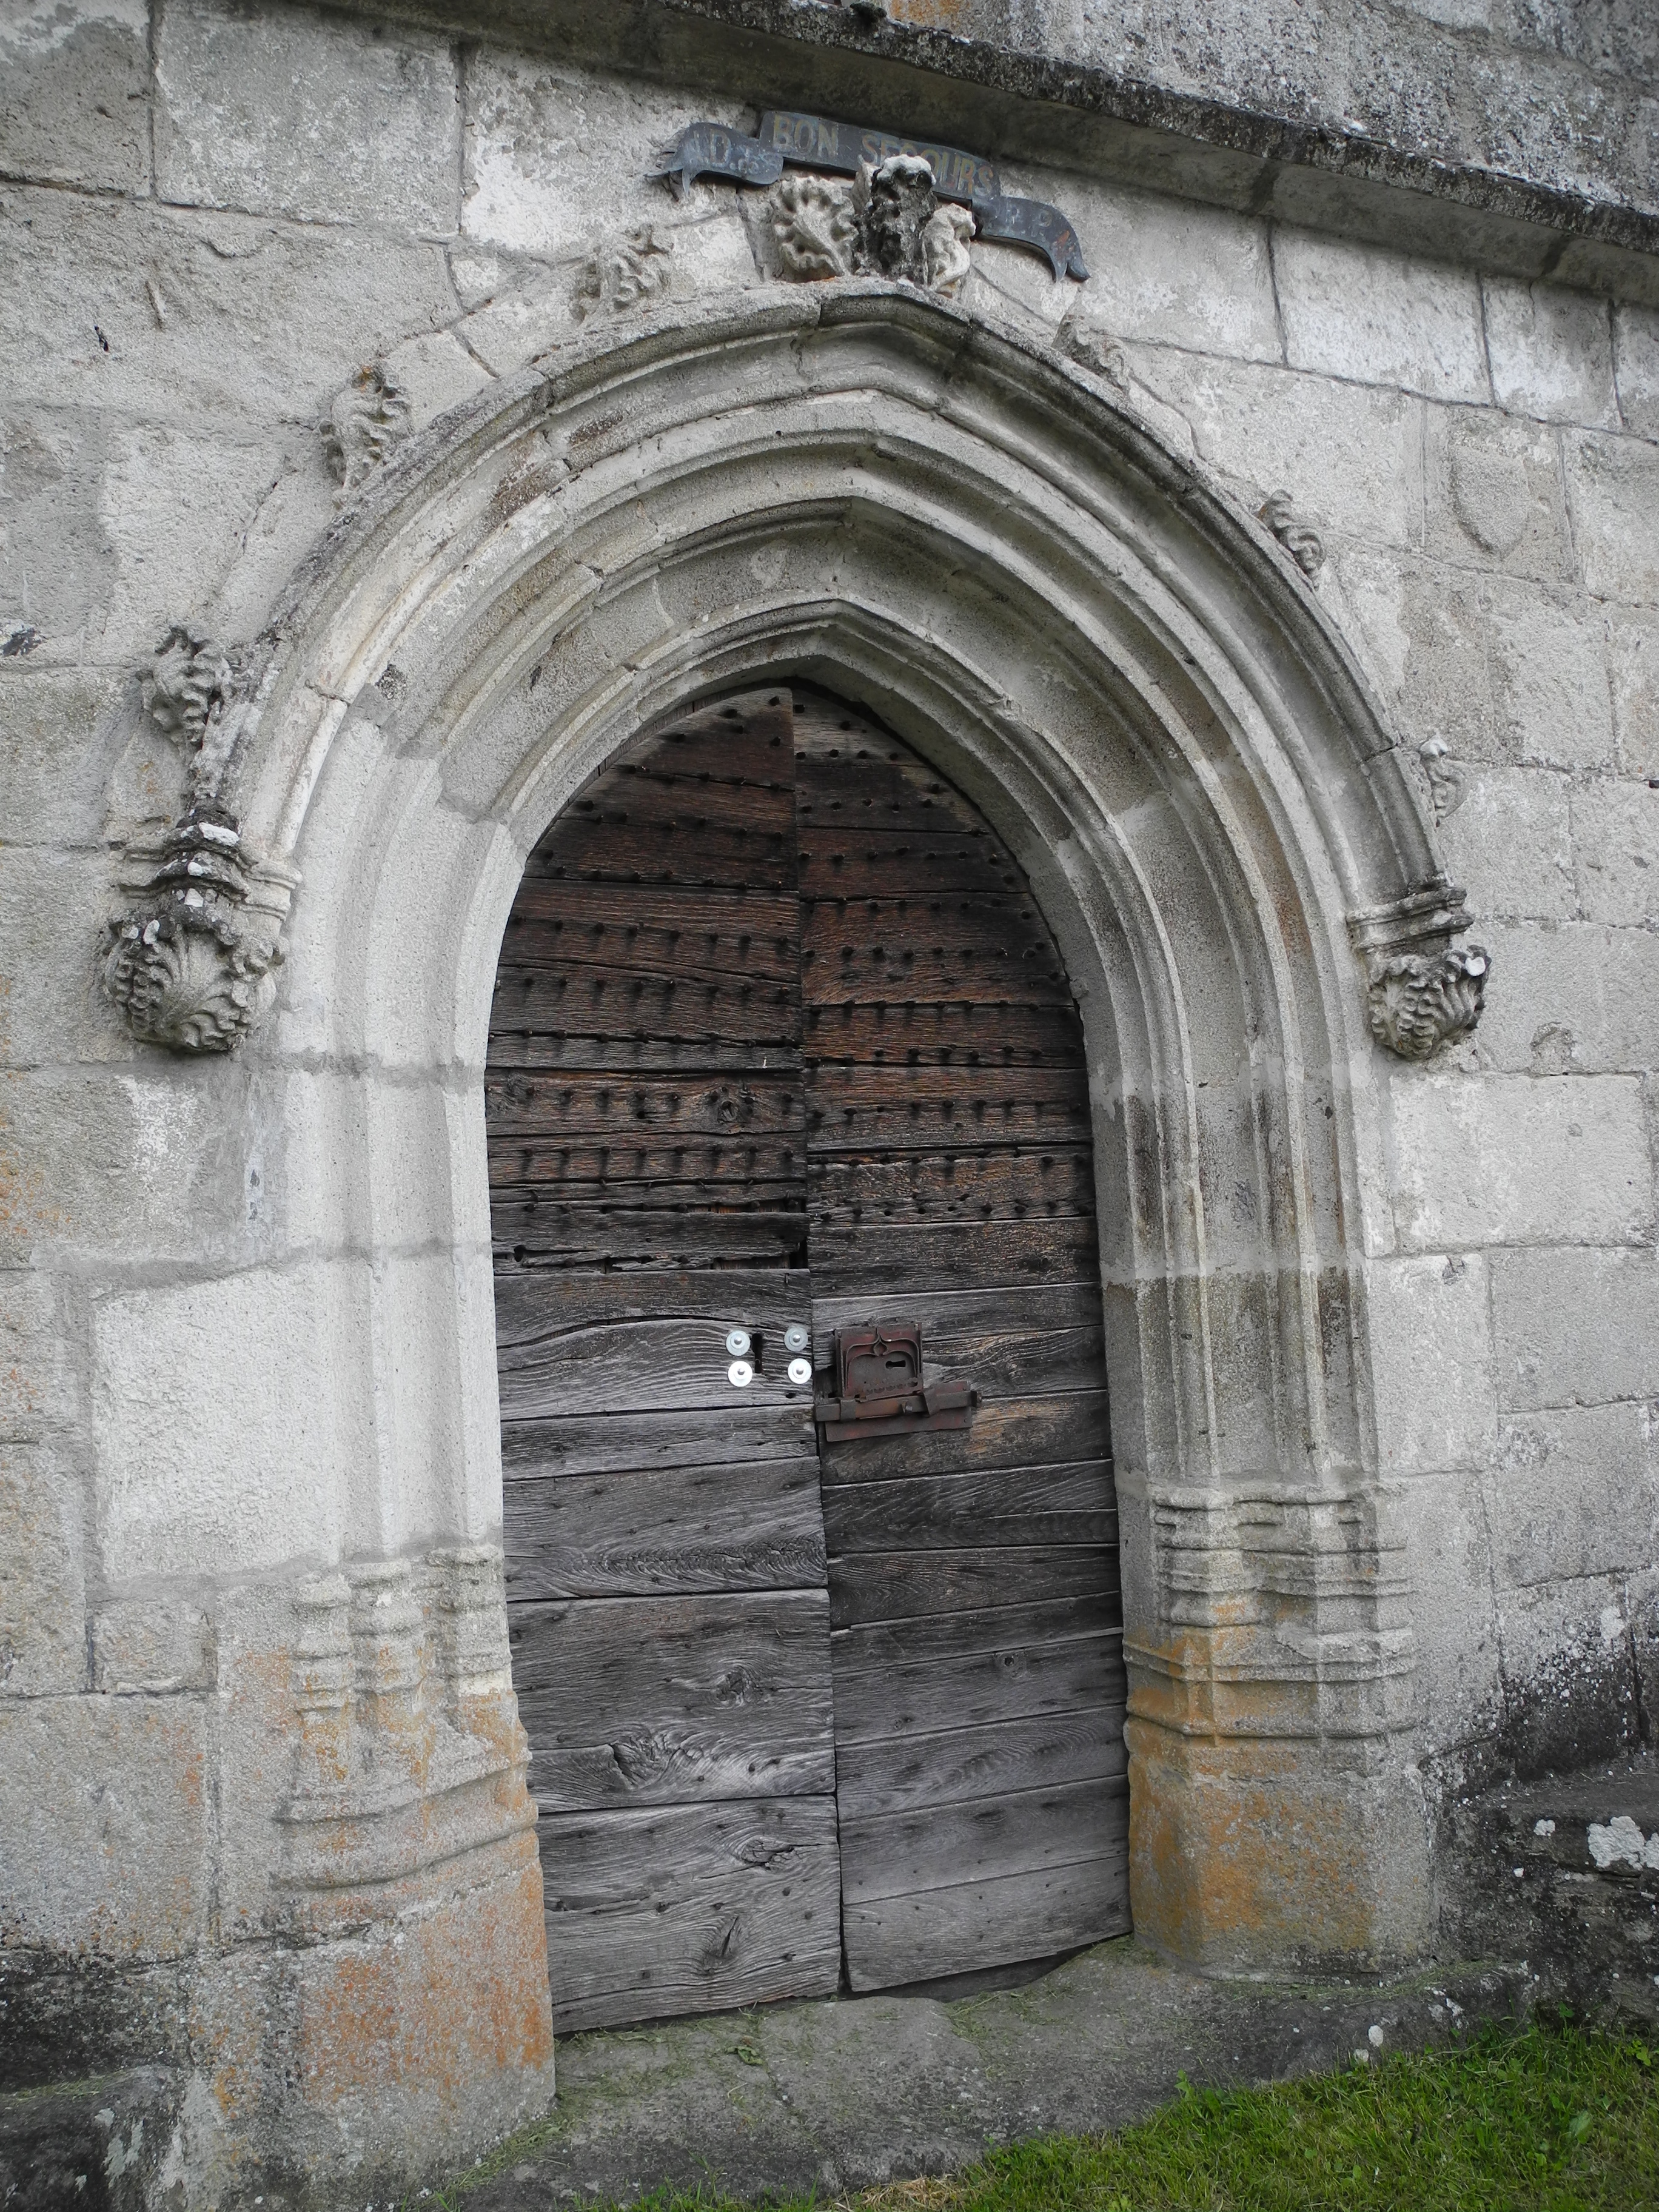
[{"x": 952, "y": 527}]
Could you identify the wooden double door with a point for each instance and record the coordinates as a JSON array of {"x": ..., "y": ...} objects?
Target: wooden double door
[{"x": 781, "y": 1045}]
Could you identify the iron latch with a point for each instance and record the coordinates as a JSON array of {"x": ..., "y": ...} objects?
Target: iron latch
[{"x": 880, "y": 1389}]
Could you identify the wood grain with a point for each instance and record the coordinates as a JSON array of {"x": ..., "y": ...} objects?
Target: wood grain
[
  {"x": 983, "y": 1674},
  {"x": 686, "y": 1909},
  {"x": 893, "y": 1940},
  {"x": 1021, "y": 1506},
  {"x": 636, "y": 1441},
  {"x": 751, "y": 1525},
  {"x": 944, "y": 1187},
  {"x": 904, "y": 1852},
  {"x": 980, "y": 1762},
  {"x": 666, "y": 1700},
  {"x": 849, "y": 1261},
  {"x": 870, "y": 1586},
  {"x": 1019, "y": 1341}
]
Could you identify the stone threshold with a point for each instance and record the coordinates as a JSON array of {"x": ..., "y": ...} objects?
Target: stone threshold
[{"x": 838, "y": 2093}]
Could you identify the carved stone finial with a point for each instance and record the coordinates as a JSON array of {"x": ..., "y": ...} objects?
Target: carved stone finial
[
  {"x": 189, "y": 680},
  {"x": 816, "y": 227},
  {"x": 1446, "y": 784},
  {"x": 621, "y": 275},
  {"x": 368, "y": 419},
  {"x": 946, "y": 265},
  {"x": 1304, "y": 545},
  {"x": 191, "y": 966},
  {"x": 1421, "y": 990},
  {"x": 889, "y": 222}
]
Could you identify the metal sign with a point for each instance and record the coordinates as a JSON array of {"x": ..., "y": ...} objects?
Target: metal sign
[{"x": 814, "y": 142}]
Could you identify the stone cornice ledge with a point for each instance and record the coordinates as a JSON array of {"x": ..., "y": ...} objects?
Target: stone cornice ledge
[{"x": 1009, "y": 103}]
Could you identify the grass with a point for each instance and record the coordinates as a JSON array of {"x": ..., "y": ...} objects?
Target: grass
[{"x": 1544, "y": 2119}]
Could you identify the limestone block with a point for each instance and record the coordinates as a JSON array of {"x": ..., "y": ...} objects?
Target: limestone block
[
  {"x": 436, "y": 372},
  {"x": 1551, "y": 352},
  {"x": 1166, "y": 271},
  {"x": 557, "y": 156},
  {"x": 229, "y": 1419},
  {"x": 75, "y": 93},
  {"x": 36, "y": 1394},
  {"x": 1509, "y": 843},
  {"x": 1014, "y": 287},
  {"x": 1576, "y": 996},
  {"x": 287, "y": 112},
  {"x": 1494, "y": 494},
  {"x": 1575, "y": 1327},
  {"x": 1432, "y": 1363},
  {"x": 1615, "y": 848},
  {"x": 1450, "y": 1568},
  {"x": 43, "y": 1629},
  {"x": 1573, "y": 1494},
  {"x": 58, "y": 744},
  {"x": 105, "y": 1805},
  {"x": 1513, "y": 1159},
  {"x": 1571, "y": 1693},
  {"x": 1612, "y": 492},
  {"x": 1361, "y": 312},
  {"x": 1351, "y": 458},
  {"x": 205, "y": 522},
  {"x": 152, "y": 1645},
  {"x": 1633, "y": 674},
  {"x": 1550, "y": 693},
  {"x": 53, "y": 905},
  {"x": 524, "y": 321},
  {"x": 1636, "y": 367},
  {"x": 209, "y": 319},
  {"x": 57, "y": 566},
  {"x": 145, "y": 1158}
]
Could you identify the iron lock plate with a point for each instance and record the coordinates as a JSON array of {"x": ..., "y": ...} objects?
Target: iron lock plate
[{"x": 881, "y": 1389}]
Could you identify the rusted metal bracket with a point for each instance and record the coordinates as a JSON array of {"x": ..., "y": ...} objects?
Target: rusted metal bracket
[{"x": 880, "y": 1389}]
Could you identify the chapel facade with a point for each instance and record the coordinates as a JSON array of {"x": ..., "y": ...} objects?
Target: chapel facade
[{"x": 830, "y": 841}]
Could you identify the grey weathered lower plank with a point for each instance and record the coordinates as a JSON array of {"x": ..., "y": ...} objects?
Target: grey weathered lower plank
[
  {"x": 881, "y": 1646},
  {"x": 868, "y": 1586},
  {"x": 1065, "y": 1505},
  {"x": 642, "y": 1701},
  {"x": 971, "y": 1764},
  {"x": 1006, "y": 1432},
  {"x": 897, "y": 1854},
  {"x": 666, "y": 1530},
  {"x": 625, "y": 1442},
  {"x": 688, "y": 1909},
  {"x": 878, "y": 1694},
  {"x": 1020, "y": 1341},
  {"x": 917, "y": 1938}
]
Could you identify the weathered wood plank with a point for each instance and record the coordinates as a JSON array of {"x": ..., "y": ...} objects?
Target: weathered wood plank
[
  {"x": 754, "y": 1525},
  {"x": 865, "y": 859},
  {"x": 576, "y": 1106},
  {"x": 681, "y": 826},
  {"x": 892, "y": 1941},
  {"x": 639, "y": 1440},
  {"x": 870, "y": 1586},
  {"x": 596, "y": 1001},
  {"x": 853, "y": 1259},
  {"x": 944, "y": 1109},
  {"x": 1006, "y": 1432},
  {"x": 888, "y": 1647},
  {"x": 531, "y": 1232},
  {"x": 600, "y": 1342},
  {"x": 897, "y": 1854},
  {"x": 666, "y": 1700},
  {"x": 878, "y": 1696},
  {"x": 1045, "y": 1505},
  {"x": 952, "y": 1033},
  {"x": 514, "y": 1050},
  {"x": 1024, "y": 1340},
  {"x": 690, "y": 1909},
  {"x": 976, "y": 1185},
  {"x": 990, "y": 1759}
]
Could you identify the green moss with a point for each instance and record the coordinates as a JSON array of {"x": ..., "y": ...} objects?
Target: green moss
[{"x": 1539, "y": 2120}]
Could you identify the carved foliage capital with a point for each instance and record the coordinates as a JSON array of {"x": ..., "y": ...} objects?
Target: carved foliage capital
[{"x": 1422, "y": 990}]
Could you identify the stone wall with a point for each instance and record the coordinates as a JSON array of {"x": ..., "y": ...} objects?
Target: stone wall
[{"x": 217, "y": 222}]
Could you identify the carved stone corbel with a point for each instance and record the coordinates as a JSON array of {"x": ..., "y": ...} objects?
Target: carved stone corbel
[
  {"x": 1421, "y": 989},
  {"x": 189, "y": 966},
  {"x": 368, "y": 421},
  {"x": 888, "y": 221},
  {"x": 1305, "y": 545},
  {"x": 623, "y": 274}
]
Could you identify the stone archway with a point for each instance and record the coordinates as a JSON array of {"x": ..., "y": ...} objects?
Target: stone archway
[{"x": 1134, "y": 684}]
